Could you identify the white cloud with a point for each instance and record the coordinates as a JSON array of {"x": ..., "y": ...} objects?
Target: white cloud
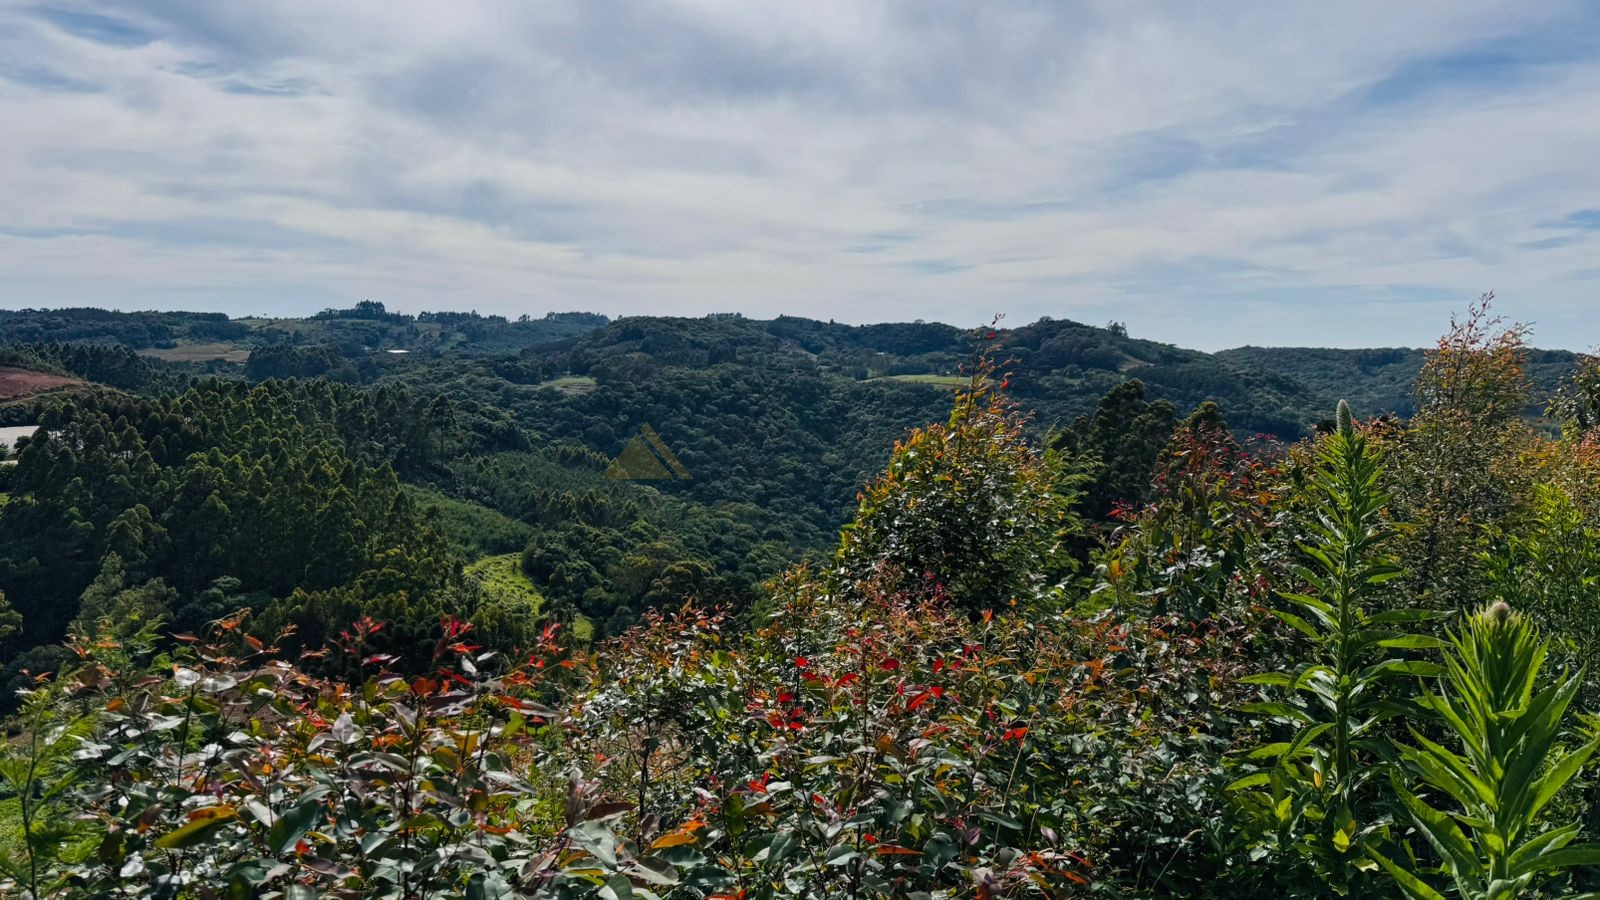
[{"x": 1212, "y": 175}]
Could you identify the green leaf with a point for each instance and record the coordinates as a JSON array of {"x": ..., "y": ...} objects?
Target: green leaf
[
  {"x": 1298, "y": 624},
  {"x": 1414, "y": 887},
  {"x": 1444, "y": 835},
  {"x": 1414, "y": 642},
  {"x": 1249, "y": 781},
  {"x": 1280, "y": 710},
  {"x": 1559, "y": 774},
  {"x": 1570, "y": 857},
  {"x": 201, "y": 825},
  {"x": 290, "y": 827}
]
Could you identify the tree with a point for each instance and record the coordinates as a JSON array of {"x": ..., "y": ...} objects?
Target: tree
[
  {"x": 1123, "y": 438},
  {"x": 966, "y": 509},
  {"x": 1454, "y": 470}
]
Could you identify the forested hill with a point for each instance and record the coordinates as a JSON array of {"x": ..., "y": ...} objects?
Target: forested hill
[
  {"x": 504, "y": 431},
  {"x": 1058, "y": 367},
  {"x": 1379, "y": 380}
]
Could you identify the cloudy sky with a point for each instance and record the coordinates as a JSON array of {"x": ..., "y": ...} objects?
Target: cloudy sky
[{"x": 1212, "y": 174}]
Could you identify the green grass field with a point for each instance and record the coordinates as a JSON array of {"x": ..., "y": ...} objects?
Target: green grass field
[
  {"x": 502, "y": 578},
  {"x": 198, "y": 352},
  {"x": 570, "y": 384},
  {"x": 944, "y": 381}
]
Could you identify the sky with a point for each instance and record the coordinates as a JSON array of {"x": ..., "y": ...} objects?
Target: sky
[{"x": 1210, "y": 174}]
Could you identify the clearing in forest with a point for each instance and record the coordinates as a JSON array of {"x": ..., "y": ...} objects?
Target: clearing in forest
[
  {"x": 189, "y": 351},
  {"x": 570, "y": 384},
  {"x": 16, "y": 382},
  {"x": 944, "y": 381}
]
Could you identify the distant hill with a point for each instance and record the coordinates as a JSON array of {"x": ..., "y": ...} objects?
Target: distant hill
[
  {"x": 1379, "y": 380},
  {"x": 192, "y": 337},
  {"x": 1060, "y": 367}
]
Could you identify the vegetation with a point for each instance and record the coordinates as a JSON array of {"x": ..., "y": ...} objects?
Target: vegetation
[
  {"x": 386, "y": 628},
  {"x": 502, "y": 578}
]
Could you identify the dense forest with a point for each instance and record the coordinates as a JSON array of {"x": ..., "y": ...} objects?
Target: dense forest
[{"x": 358, "y": 605}]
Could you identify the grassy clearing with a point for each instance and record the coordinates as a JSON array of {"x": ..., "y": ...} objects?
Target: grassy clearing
[
  {"x": 570, "y": 384},
  {"x": 474, "y": 530},
  {"x": 582, "y": 629},
  {"x": 944, "y": 381},
  {"x": 502, "y": 578},
  {"x": 187, "y": 351}
]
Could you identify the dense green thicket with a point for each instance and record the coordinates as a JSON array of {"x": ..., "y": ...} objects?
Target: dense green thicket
[
  {"x": 778, "y": 422},
  {"x": 112, "y": 365}
]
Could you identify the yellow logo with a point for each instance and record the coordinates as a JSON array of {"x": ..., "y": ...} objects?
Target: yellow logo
[{"x": 646, "y": 458}]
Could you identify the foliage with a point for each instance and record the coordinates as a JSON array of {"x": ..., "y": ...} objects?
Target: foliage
[
  {"x": 1507, "y": 770},
  {"x": 967, "y": 510},
  {"x": 1207, "y": 544},
  {"x": 948, "y": 706},
  {"x": 231, "y": 771},
  {"x": 1548, "y": 568},
  {"x": 1381, "y": 381},
  {"x": 1576, "y": 406},
  {"x": 1123, "y": 438},
  {"x": 288, "y": 489},
  {"x": 1310, "y": 804},
  {"x": 1456, "y": 470}
]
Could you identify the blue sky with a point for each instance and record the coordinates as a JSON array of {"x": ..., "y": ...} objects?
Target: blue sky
[{"x": 1211, "y": 174}]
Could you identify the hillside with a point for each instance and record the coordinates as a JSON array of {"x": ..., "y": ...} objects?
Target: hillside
[
  {"x": 503, "y": 431},
  {"x": 1379, "y": 380}
]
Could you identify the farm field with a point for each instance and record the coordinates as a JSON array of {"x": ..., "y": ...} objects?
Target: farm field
[
  {"x": 570, "y": 385},
  {"x": 200, "y": 352},
  {"x": 944, "y": 381},
  {"x": 16, "y": 382}
]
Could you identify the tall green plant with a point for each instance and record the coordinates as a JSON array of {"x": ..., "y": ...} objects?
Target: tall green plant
[
  {"x": 1509, "y": 767},
  {"x": 1309, "y": 806}
]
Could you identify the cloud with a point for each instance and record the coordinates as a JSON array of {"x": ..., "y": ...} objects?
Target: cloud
[{"x": 1265, "y": 173}]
